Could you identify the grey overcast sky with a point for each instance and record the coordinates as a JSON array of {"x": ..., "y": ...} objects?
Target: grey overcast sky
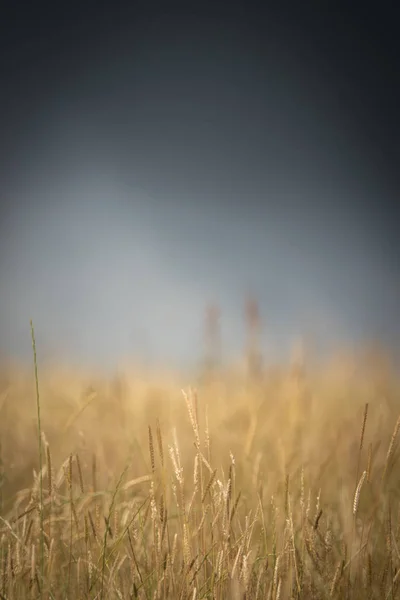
[{"x": 155, "y": 159}]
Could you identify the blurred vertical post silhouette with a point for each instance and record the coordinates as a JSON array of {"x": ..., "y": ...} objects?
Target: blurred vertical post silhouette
[
  {"x": 212, "y": 339},
  {"x": 297, "y": 358},
  {"x": 253, "y": 327}
]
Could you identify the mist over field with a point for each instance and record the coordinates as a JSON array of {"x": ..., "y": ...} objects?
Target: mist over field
[{"x": 156, "y": 161}]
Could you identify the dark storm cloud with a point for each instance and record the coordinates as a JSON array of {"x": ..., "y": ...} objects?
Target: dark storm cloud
[{"x": 154, "y": 162}]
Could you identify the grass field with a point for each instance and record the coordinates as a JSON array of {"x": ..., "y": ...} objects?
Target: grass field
[{"x": 284, "y": 485}]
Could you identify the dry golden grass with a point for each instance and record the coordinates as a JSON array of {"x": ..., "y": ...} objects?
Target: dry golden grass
[{"x": 281, "y": 486}]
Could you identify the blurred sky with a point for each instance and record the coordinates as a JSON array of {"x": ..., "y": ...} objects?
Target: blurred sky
[{"x": 155, "y": 159}]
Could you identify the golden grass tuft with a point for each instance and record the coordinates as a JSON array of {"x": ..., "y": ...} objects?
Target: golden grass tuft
[{"x": 245, "y": 487}]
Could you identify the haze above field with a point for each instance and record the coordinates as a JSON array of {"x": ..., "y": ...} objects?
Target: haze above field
[{"x": 154, "y": 162}]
